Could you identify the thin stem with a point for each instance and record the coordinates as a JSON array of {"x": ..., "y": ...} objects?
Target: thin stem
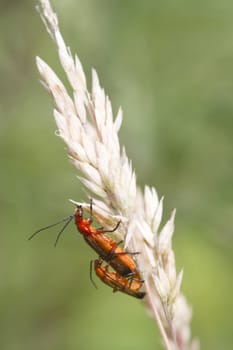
[{"x": 157, "y": 317}]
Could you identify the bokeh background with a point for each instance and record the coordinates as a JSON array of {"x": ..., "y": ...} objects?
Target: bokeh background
[{"x": 170, "y": 65}]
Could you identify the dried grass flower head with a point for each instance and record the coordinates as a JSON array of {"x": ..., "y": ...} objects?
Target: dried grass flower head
[{"x": 86, "y": 123}]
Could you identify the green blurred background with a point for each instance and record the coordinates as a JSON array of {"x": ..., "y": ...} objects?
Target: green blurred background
[{"x": 170, "y": 65}]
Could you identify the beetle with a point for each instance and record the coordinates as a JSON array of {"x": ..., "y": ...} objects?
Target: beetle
[{"x": 117, "y": 281}]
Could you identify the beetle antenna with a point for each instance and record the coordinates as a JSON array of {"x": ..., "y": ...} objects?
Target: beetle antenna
[
  {"x": 63, "y": 228},
  {"x": 91, "y": 275},
  {"x": 68, "y": 219}
]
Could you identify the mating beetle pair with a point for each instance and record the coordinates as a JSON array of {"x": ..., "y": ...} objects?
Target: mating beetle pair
[{"x": 125, "y": 277}]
